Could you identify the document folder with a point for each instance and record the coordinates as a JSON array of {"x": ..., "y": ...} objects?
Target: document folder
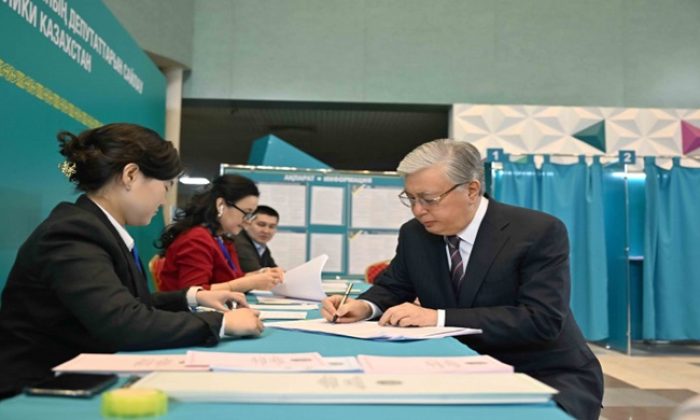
[{"x": 333, "y": 388}]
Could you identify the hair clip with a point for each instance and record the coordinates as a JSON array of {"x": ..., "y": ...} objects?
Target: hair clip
[{"x": 68, "y": 168}]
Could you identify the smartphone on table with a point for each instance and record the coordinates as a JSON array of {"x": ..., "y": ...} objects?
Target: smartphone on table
[{"x": 80, "y": 385}]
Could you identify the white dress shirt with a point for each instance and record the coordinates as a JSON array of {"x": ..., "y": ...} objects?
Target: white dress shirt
[{"x": 129, "y": 242}]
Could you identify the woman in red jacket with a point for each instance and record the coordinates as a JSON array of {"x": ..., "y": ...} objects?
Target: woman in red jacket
[{"x": 197, "y": 251}]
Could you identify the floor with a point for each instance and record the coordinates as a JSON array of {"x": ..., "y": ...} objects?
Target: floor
[{"x": 651, "y": 383}]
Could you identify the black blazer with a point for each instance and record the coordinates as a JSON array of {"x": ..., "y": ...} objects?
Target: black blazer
[
  {"x": 248, "y": 255},
  {"x": 516, "y": 289},
  {"x": 75, "y": 288}
]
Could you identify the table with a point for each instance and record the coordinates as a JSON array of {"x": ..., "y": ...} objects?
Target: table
[{"x": 273, "y": 340}]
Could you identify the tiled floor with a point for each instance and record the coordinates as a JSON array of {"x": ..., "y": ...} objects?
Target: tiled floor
[{"x": 651, "y": 383}]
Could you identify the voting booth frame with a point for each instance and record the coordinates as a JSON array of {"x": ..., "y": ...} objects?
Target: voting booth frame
[{"x": 352, "y": 216}]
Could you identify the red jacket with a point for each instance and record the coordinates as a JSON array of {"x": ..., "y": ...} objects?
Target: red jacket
[{"x": 195, "y": 259}]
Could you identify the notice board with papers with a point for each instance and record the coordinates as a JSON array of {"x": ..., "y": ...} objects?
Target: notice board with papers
[{"x": 352, "y": 216}]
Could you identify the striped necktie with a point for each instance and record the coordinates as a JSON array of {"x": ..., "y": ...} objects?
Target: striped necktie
[{"x": 457, "y": 265}]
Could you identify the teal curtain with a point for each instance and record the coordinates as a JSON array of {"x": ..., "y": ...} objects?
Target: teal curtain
[
  {"x": 573, "y": 193},
  {"x": 671, "y": 280}
]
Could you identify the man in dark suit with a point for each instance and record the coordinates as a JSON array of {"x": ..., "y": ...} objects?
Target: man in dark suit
[
  {"x": 251, "y": 242},
  {"x": 515, "y": 286}
]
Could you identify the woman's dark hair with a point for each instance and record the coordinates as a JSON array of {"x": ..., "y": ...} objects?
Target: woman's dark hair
[
  {"x": 101, "y": 153},
  {"x": 201, "y": 209}
]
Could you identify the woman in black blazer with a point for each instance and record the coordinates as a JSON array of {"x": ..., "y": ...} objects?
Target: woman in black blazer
[{"x": 77, "y": 285}]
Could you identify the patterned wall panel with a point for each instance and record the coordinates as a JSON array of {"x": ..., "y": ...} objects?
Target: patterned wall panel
[{"x": 528, "y": 129}]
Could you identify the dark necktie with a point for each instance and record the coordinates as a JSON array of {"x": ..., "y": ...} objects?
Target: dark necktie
[
  {"x": 135, "y": 254},
  {"x": 457, "y": 268}
]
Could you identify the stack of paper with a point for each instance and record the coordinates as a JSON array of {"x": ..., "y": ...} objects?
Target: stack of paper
[
  {"x": 431, "y": 365},
  {"x": 271, "y": 362},
  {"x": 288, "y": 307},
  {"x": 272, "y": 300},
  {"x": 126, "y": 364},
  {"x": 372, "y": 330},
  {"x": 335, "y": 286},
  {"x": 307, "y": 388}
]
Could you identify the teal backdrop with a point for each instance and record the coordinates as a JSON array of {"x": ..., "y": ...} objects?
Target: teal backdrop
[{"x": 43, "y": 90}]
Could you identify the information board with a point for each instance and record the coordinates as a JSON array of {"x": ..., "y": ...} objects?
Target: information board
[{"x": 352, "y": 216}]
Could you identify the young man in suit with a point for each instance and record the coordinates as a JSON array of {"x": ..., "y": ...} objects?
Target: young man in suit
[
  {"x": 474, "y": 262},
  {"x": 251, "y": 242}
]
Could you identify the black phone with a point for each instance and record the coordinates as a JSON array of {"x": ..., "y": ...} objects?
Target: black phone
[{"x": 80, "y": 385}]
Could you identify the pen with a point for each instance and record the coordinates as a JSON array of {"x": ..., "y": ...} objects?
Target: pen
[{"x": 342, "y": 302}]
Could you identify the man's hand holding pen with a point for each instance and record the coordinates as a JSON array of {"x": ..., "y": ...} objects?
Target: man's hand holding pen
[{"x": 343, "y": 309}]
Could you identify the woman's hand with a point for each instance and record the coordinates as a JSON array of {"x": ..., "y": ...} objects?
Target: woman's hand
[
  {"x": 220, "y": 299},
  {"x": 266, "y": 278},
  {"x": 243, "y": 322}
]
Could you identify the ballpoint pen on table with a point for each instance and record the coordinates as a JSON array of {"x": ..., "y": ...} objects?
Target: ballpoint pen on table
[{"x": 342, "y": 301}]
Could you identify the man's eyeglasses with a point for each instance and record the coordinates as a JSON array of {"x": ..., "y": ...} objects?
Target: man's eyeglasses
[
  {"x": 424, "y": 201},
  {"x": 247, "y": 215}
]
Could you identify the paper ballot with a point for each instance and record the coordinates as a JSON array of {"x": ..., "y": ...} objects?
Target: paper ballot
[
  {"x": 304, "y": 281},
  {"x": 289, "y": 307},
  {"x": 424, "y": 365},
  {"x": 126, "y": 364},
  {"x": 372, "y": 330},
  {"x": 259, "y": 362},
  {"x": 272, "y": 362},
  {"x": 334, "y": 388},
  {"x": 265, "y": 315}
]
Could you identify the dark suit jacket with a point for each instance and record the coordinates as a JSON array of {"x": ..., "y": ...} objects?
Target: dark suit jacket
[
  {"x": 75, "y": 288},
  {"x": 516, "y": 289},
  {"x": 248, "y": 255}
]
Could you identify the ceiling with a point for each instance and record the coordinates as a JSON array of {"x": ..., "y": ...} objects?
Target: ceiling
[{"x": 344, "y": 136}]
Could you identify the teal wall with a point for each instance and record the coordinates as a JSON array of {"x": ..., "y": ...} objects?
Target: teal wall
[
  {"x": 558, "y": 52},
  {"x": 43, "y": 91},
  {"x": 164, "y": 27}
]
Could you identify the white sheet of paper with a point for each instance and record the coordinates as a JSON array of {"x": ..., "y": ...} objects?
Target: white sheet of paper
[
  {"x": 125, "y": 364},
  {"x": 344, "y": 388},
  {"x": 423, "y": 365},
  {"x": 341, "y": 364},
  {"x": 290, "y": 307},
  {"x": 327, "y": 205},
  {"x": 256, "y": 362},
  {"x": 278, "y": 301},
  {"x": 304, "y": 281},
  {"x": 372, "y": 331},
  {"x": 282, "y": 315},
  {"x": 334, "y": 286}
]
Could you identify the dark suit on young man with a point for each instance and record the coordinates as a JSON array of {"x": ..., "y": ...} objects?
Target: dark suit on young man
[
  {"x": 516, "y": 288},
  {"x": 248, "y": 254},
  {"x": 75, "y": 288}
]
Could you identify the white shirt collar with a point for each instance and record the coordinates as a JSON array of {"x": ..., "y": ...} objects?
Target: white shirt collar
[
  {"x": 128, "y": 240},
  {"x": 259, "y": 247},
  {"x": 468, "y": 235}
]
